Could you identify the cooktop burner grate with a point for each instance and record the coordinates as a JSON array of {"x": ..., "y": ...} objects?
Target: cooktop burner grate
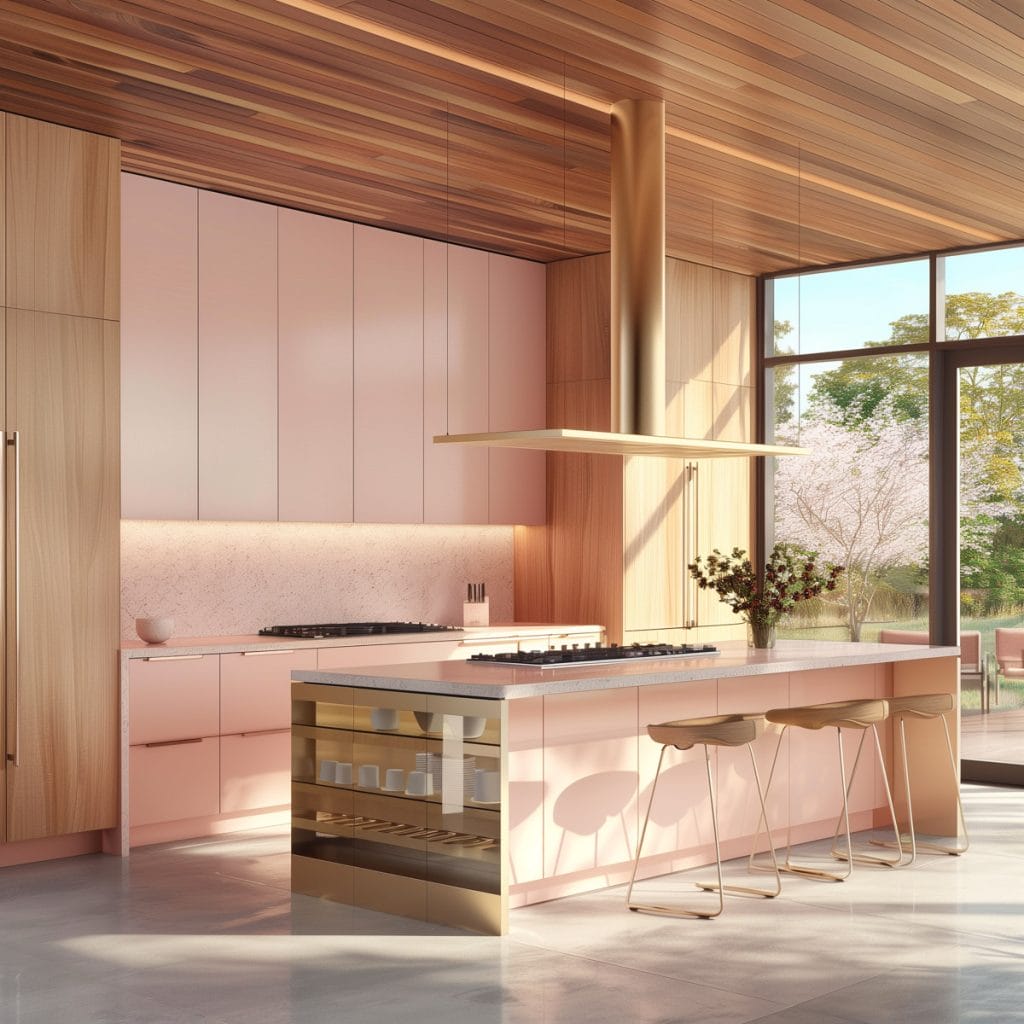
[
  {"x": 596, "y": 654},
  {"x": 333, "y": 629}
]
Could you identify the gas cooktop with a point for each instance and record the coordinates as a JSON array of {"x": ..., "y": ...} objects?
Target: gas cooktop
[
  {"x": 582, "y": 655},
  {"x": 331, "y": 629}
]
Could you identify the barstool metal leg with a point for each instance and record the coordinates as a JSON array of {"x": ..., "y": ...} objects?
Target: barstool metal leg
[
  {"x": 719, "y": 886},
  {"x": 643, "y": 831},
  {"x": 953, "y": 851}
]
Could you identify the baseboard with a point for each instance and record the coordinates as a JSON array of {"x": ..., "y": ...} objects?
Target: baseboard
[{"x": 198, "y": 828}]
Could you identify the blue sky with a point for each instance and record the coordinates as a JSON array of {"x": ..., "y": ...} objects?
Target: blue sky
[{"x": 844, "y": 308}]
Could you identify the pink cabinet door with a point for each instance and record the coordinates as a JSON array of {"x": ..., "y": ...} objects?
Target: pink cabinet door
[
  {"x": 174, "y": 781},
  {"x": 255, "y": 771},
  {"x": 159, "y": 350},
  {"x": 237, "y": 358},
  {"x": 173, "y": 698},
  {"x": 387, "y": 654},
  {"x": 315, "y": 385},
  {"x": 255, "y": 689},
  {"x": 454, "y": 382},
  {"x": 388, "y": 345},
  {"x": 517, "y": 385}
]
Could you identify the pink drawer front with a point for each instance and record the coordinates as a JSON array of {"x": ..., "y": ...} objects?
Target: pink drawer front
[
  {"x": 255, "y": 771},
  {"x": 174, "y": 781},
  {"x": 173, "y": 698},
  {"x": 255, "y": 689}
]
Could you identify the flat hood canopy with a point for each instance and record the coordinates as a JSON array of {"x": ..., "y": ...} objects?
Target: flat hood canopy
[{"x": 637, "y": 314}]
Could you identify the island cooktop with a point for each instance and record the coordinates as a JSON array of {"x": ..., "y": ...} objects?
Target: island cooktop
[{"x": 577, "y": 655}]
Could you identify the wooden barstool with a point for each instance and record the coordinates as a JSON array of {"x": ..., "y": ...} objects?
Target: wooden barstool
[
  {"x": 839, "y": 715},
  {"x": 715, "y": 731},
  {"x": 927, "y": 706}
]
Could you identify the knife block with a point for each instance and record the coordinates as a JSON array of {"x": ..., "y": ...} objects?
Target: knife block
[{"x": 476, "y": 613}]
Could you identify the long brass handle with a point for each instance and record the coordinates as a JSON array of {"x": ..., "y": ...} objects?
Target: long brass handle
[
  {"x": 263, "y": 654},
  {"x": 695, "y": 535},
  {"x": 174, "y": 657},
  {"x": 13, "y": 679},
  {"x": 174, "y": 743},
  {"x": 690, "y": 542},
  {"x": 264, "y": 732}
]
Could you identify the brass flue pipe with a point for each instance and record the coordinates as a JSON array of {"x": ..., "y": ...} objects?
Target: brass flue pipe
[{"x": 638, "y": 267}]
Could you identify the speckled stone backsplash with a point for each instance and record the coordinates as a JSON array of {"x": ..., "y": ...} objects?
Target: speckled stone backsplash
[{"x": 231, "y": 578}]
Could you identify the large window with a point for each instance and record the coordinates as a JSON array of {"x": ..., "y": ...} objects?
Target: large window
[{"x": 947, "y": 564}]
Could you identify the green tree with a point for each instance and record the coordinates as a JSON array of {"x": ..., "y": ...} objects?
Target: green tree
[{"x": 784, "y": 376}]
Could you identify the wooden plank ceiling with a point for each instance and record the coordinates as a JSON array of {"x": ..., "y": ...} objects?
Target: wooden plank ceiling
[{"x": 799, "y": 132}]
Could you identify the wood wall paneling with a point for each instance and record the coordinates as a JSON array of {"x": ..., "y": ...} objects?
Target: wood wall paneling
[
  {"x": 237, "y": 359},
  {"x": 62, "y": 395},
  {"x": 159, "y": 350},
  {"x": 3, "y": 209},
  {"x": 388, "y": 425},
  {"x": 315, "y": 377},
  {"x": 516, "y": 393},
  {"x": 654, "y": 548},
  {"x": 455, "y": 359},
  {"x": 62, "y": 223}
]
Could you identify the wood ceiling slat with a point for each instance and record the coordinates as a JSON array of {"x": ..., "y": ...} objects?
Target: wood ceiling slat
[{"x": 884, "y": 128}]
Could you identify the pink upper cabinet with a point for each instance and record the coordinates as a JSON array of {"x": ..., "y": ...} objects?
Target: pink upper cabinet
[
  {"x": 454, "y": 382},
  {"x": 517, "y": 383},
  {"x": 315, "y": 372},
  {"x": 237, "y": 358},
  {"x": 159, "y": 428},
  {"x": 388, "y": 343}
]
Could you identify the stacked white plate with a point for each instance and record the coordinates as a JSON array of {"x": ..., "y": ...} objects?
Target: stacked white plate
[{"x": 434, "y": 764}]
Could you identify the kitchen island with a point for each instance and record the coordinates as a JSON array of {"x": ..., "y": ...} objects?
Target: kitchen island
[{"x": 534, "y": 780}]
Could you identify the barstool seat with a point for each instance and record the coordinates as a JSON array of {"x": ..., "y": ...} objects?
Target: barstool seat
[
  {"x": 927, "y": 706},
  {"x": 713, "y": 731},
  {"x": 862, "y": 715}
]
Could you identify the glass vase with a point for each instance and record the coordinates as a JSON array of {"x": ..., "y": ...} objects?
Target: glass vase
[{"x": 761, "y": 635}]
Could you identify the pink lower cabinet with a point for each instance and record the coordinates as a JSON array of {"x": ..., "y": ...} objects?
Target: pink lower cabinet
[
  {"x": 174, "y": 781},
  {"x": 255, "y": 690},
  {"x": 255, "y": 771},
  {"x": 173, "y": 698}
]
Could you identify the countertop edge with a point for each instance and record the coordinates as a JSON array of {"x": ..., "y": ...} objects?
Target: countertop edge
[
  {"x": 761, "y": 663},
  {"x": 248, "y": 644}
]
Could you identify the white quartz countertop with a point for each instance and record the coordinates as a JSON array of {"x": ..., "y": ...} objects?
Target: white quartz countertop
[
  {"x": 475, "y": 679},
  {"x": 178, "y": 647}
]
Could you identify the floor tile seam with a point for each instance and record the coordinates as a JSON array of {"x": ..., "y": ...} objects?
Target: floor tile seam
[
  {"x": 593, "y": 959},
  {"x": 917, "y": 925}
]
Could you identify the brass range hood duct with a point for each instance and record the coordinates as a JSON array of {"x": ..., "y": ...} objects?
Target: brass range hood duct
[{"x": 637, "y": 315}]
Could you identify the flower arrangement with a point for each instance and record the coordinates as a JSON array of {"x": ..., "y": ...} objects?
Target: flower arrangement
[{"x": 788, "y": 577}]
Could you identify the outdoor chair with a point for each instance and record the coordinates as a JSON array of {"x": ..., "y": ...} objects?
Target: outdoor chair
[{"x": 1009, "y": 655}]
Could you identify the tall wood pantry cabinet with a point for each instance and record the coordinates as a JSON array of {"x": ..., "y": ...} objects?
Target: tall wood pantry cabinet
[{"x": 59, "y": 412}]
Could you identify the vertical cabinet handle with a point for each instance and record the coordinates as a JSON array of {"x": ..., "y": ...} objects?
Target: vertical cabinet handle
[
  {"x": 13, "y": 688},
  {"x": 690, "y": 541}
]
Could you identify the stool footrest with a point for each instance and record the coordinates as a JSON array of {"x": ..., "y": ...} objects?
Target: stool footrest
[
  {"x": 739, "y": 890},
  {"x": 650, "y": 908}
]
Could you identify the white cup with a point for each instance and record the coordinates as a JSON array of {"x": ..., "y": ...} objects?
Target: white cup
[
  {"x": 420, "y": 784},
  {"x": 473, "y": 727},
  {"x": 369, "y": 776},
  {"x": 327, "y": 770},
  {"x": 384, "y": 718},
  {"x": 343, "y": 773},
  {"x": 487, "y": 789},
  {"x": 394, "y": 779}
]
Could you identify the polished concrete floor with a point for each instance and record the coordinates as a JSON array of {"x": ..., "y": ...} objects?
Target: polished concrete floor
[{"x": 207, "y": 931}]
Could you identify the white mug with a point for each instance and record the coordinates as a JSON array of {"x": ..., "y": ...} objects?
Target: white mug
[
  {"x": 420, "y": 784},
  {"x": 488, "y": 787},
  {"x": 327, "y": 770},
  {"x": 394, "y": 779},
  {"x": 369, "y": 776},
  {"x": 384, "y": 718},
  {"x": 343, "y": 773}
]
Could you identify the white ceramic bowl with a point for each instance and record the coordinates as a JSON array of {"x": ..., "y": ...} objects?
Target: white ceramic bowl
[
  {"x": 473, "y": 727},
  {"x": 154, "y": 631}
]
